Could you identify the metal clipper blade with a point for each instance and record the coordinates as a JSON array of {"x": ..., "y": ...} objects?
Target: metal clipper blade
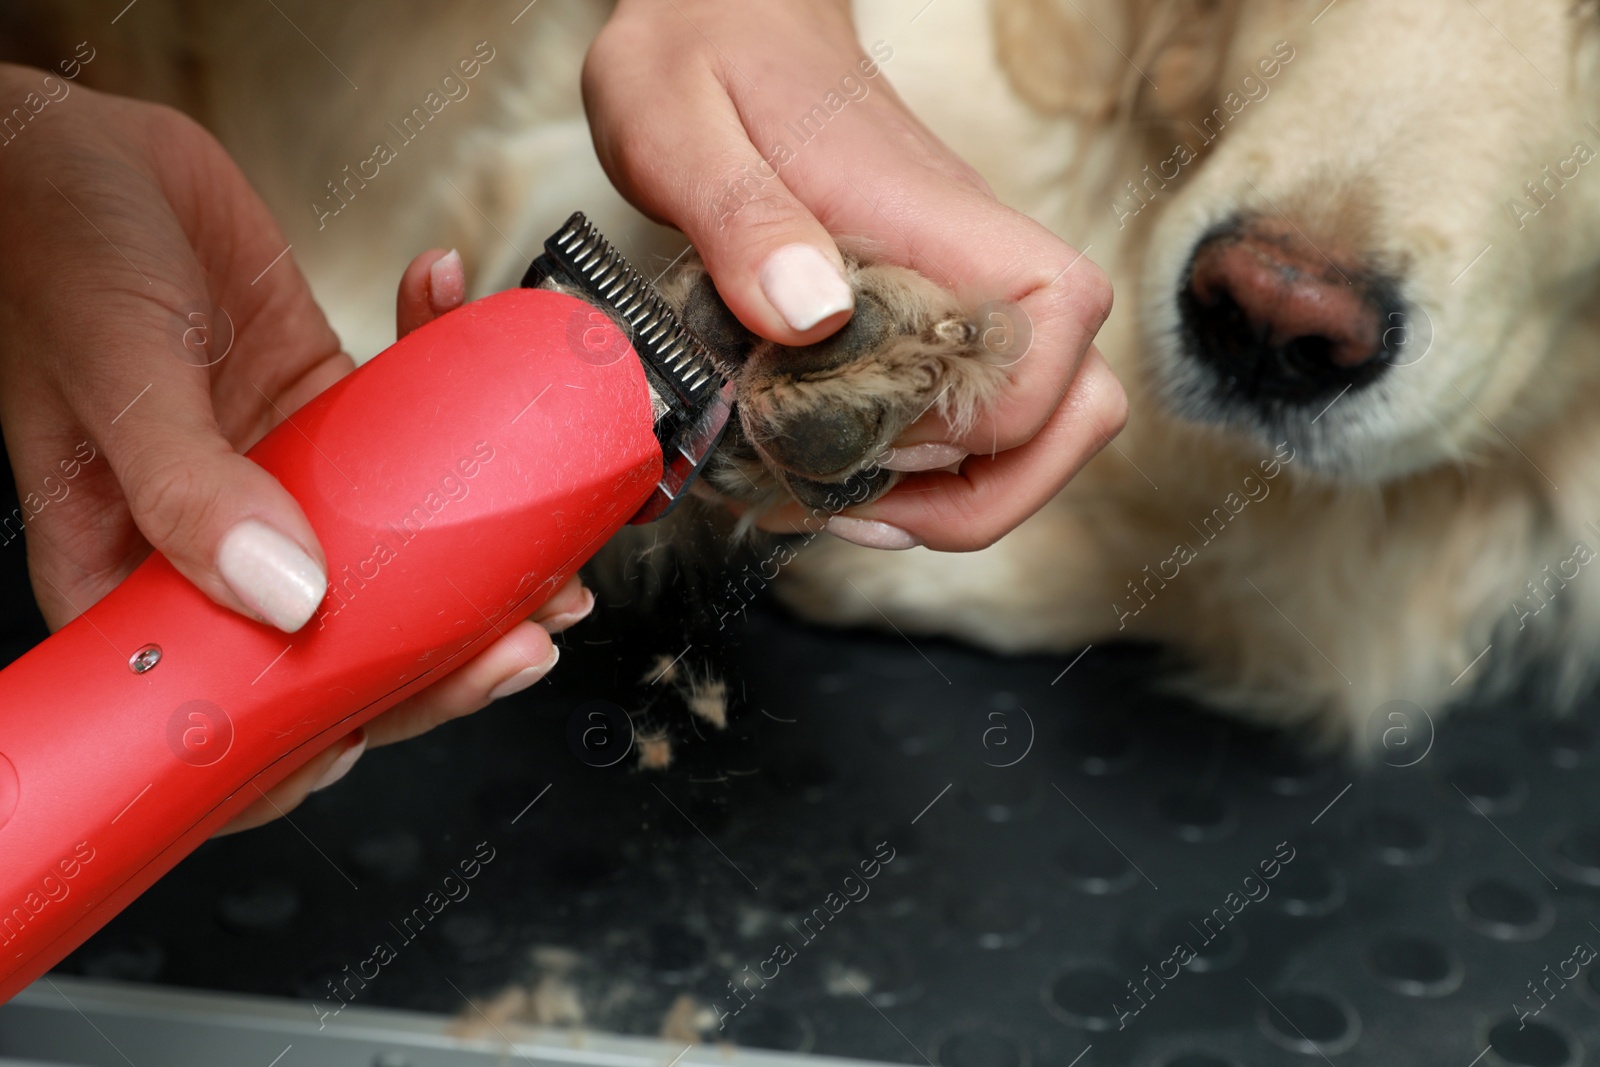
[{"x": 694, "y": 399}]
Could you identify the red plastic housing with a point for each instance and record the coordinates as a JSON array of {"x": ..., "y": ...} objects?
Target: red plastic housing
[{"x": 455, "y": 481}]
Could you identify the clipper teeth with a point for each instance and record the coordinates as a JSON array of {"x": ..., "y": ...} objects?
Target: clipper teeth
[
  {"x": 691, "y": 394},
  {"x": 579, "y": 255}
]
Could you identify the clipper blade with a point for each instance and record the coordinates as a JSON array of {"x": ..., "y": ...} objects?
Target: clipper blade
[{"x": 694, "y": 397}]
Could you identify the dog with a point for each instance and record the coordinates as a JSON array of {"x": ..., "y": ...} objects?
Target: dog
[{"x": 1355, "y": 247}]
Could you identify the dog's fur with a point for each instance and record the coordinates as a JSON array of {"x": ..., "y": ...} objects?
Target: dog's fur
[{"x": 1337, "y": 560}]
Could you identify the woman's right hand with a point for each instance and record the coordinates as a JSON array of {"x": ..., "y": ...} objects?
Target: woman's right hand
[{"x": 694, "y": 106}]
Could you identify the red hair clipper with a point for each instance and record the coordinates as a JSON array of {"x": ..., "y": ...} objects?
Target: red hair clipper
[{"x": 455, "y": 482}]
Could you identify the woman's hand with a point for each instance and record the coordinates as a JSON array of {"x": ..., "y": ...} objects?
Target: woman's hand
[
  {"x": 698, "y": 108},
  {"x": 152, "y": 327}
]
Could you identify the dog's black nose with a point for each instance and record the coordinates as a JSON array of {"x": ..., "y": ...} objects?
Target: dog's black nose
[{"x": 1279, "y": 320}]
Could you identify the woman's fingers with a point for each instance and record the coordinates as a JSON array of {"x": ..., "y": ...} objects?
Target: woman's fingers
[
  {"x": 1059, "y": 407},
  {"x": 570, "y": 605},
  {"x": 522, "y": 656},
  {"x": 994, "y": 494},
  {"x": 434, "y": 283},
  {"x": 321, "y": 771},
  {"x": 990, "y": 495},
  {"x": 774, "y": 264},
  {"x": 1041, "y": 298}
]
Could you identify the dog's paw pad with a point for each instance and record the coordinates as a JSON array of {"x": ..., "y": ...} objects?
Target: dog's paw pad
[
  {"x": 709, "y": 319},
  {"x": 821, "y": 443}
]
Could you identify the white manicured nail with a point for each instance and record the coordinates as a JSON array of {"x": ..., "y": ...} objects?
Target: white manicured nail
[
  {"x": 926, "y": 457},
  {"x": 557, "y": 623},
  {"x": 804, "y": 285},
  {"x": 271, "y": 574},
  {"x": 341, "y": 766},
  {"x": 525, "y": 677},
  {"x": 869, "y": 533},
  {"x": 447, "y": 281}
]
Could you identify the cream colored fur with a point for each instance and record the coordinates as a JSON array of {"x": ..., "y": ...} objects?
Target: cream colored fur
[{"x": 1385, "y": 556}]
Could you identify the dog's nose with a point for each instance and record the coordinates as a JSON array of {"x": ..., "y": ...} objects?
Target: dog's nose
[{"x": 1277, "y": 318}]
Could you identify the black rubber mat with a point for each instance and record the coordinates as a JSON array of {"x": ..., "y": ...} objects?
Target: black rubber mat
[{"x": 919, "y": 853}]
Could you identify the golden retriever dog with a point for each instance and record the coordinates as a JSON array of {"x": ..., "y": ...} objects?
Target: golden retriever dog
[{"x": 1355, "y": 246}]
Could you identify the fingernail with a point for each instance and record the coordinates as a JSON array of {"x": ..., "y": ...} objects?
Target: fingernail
[
  {"x": 271, "y": 574},
  {"x": 525, "y": 677},
  {"x": 447, "y": 282},
  {"x": 925, "y": 457},
  {"x": 869, "y": 533},
  {"x": 567, "y": 618},
  {"x": 341, "y": 766},
  {"x": 804, "y": 285}
]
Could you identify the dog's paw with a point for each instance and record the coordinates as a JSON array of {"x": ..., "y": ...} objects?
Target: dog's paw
[{"x": 815, "y": 421}]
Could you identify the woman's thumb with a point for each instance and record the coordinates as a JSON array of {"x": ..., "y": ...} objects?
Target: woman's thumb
[
  {"x": 223, "y": 522},
  {"x": 773, "y": 263}
]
